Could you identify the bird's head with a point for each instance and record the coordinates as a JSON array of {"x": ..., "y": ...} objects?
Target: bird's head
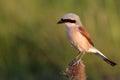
[{"x": 70, "y": 19}]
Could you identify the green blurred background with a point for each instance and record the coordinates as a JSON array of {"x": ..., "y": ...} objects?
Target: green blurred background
[{"x": 34, "y": 47}]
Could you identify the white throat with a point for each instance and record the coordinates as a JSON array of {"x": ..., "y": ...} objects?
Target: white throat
[{"x": 71, "y": 25}]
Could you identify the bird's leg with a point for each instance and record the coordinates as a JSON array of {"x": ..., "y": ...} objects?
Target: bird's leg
[
  {"x": 83, "y": 53},
  {"x": 80, "y": 55},
  {"x": 77, "y": 58}
]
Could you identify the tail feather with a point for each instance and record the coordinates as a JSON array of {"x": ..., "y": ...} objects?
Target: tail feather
[
  {"x": 97, "y": 52},
  {"x": 106, "y": 59},
  {"x": 110, "y": 62}
]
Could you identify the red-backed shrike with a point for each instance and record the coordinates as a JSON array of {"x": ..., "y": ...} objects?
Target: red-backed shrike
[{"x": 79, "y": 37}]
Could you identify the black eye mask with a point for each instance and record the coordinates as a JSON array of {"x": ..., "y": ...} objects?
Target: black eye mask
[{"x": 68, "y": 20}]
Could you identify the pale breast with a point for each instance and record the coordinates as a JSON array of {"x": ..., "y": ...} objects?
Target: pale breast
[{"x": 77, "y": 39}]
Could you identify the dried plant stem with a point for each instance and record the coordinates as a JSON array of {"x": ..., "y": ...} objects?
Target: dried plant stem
[{"x": 76, "y": 70}]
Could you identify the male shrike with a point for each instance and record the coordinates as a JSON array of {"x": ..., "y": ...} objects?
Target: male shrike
[{"x": 79, "y": 37}]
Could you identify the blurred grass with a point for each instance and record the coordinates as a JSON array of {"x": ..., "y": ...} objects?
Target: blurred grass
[{"x": 34, "y": 47}]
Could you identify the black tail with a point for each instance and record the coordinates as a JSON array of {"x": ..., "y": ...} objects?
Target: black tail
[
  {"x": 101, "y": 55},
  {"x": 109, "y": 62},
  {"x": 105, "y": 58}
]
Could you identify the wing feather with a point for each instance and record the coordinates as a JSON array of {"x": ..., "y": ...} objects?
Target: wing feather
[{"x": 84, "y": 32}]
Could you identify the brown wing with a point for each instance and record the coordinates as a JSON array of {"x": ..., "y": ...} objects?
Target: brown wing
[{"x": 86, "y": 34}]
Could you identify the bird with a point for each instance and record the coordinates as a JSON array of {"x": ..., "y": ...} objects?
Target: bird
[{"x": 79, "y": 37}]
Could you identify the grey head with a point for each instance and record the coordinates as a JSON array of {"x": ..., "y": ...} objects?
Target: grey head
[{"x": 70, "y": 19}]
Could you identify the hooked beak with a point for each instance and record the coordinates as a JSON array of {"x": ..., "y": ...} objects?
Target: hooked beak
[{"x": 60, "y": 22}]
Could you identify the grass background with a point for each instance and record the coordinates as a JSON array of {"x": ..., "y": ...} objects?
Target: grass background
[{"x": 34, "y": 47}]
